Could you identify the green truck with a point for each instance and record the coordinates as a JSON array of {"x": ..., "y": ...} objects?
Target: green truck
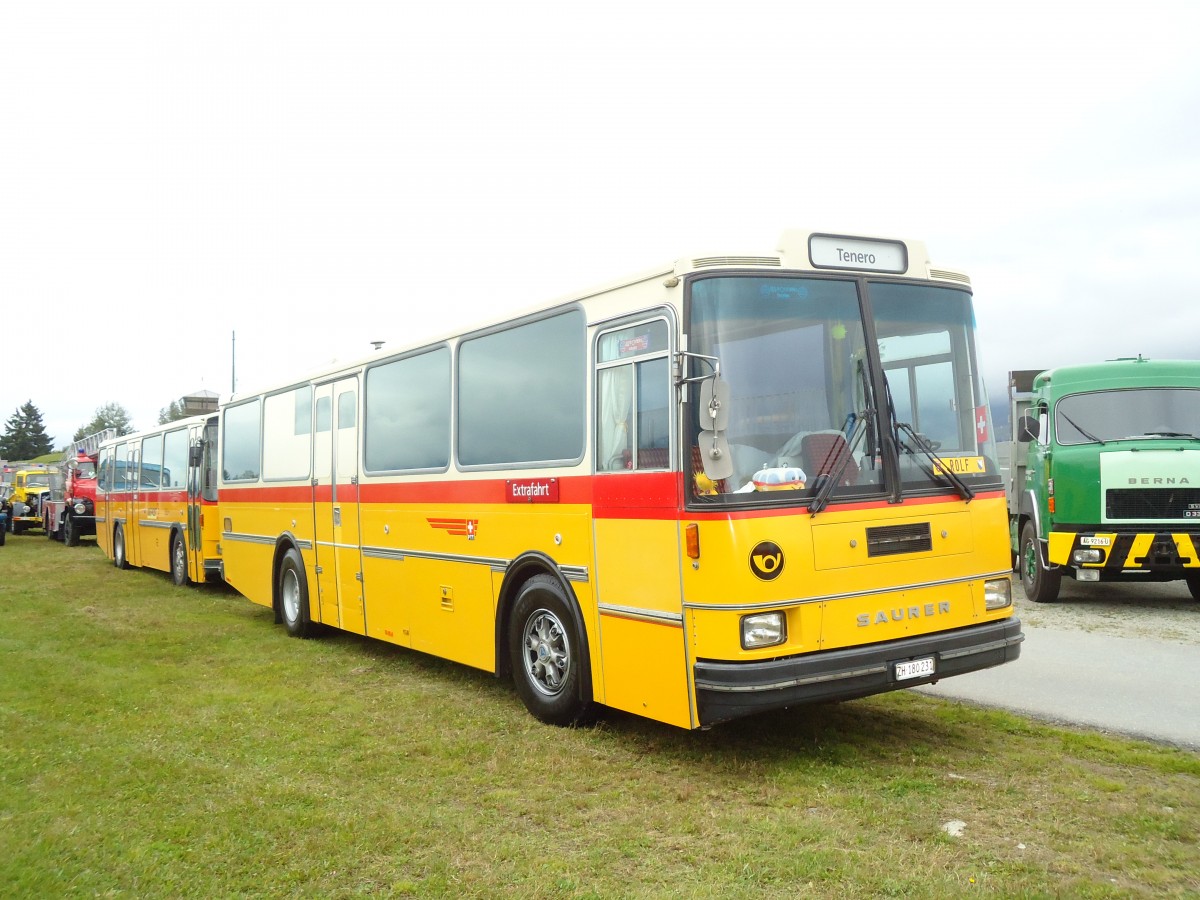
[{"x": 1104, "y": 474}]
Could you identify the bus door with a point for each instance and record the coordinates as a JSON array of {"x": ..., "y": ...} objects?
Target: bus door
[
  {"x": 195, "y": 514},
  {"x": 335, "y": 482},
  {"x": 636, "y": 525},
  {"x": 105, "y": 473},
  {"x": 132, "y": 505}
]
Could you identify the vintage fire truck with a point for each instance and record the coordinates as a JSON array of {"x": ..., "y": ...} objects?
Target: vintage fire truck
[{"x": 70, "y": 514}]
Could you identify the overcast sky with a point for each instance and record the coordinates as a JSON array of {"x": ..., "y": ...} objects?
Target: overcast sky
[{"x": 317, "y": 176}]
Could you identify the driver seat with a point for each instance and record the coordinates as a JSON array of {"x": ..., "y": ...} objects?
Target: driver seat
[{"x": 822, "y": 453}]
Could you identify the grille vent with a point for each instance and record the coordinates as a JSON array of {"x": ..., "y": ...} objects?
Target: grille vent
[
  {"x": 891, "y": 540},
  {"x": 1151, "y": 503},
  {"x": 736, "y": 261},
  {"x": 947, "y": 275}
]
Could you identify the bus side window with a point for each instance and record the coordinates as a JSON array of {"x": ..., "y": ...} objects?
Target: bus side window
[{"x": 633, "y": 388}]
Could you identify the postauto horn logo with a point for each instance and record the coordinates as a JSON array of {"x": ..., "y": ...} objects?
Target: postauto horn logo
[{"x": 766, "y": 560}]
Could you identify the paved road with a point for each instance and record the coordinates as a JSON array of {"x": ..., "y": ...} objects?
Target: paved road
[{"x": 1121, "y": 660}]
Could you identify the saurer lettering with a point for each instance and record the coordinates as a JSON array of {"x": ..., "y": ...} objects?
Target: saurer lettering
[{"x": 883, "y": 616}]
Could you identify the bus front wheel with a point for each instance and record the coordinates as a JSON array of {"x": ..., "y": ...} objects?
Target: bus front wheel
[
  {"x": 547, "y": 654},
  {"x": 119, "y": 559},
  {"x": 1041, "y": 584},
  {"x": 293, "y": 594},
  {"x": 179, "y": 573}
]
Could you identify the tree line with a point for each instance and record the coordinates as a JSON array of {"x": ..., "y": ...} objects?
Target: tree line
[{"x": 25, "y": 435}]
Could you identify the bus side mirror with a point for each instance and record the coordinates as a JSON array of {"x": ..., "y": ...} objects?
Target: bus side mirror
[
  {"x": 1027, "y": 429},
  {"x": 714, "y": 419},
  {"x": 196, "y": 454}
]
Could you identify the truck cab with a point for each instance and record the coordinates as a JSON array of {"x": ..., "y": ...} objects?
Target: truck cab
[
  {"x": 1104, "y": 475},
  {"x": 71, "y": 513},
  {"x": 30, "y": 488}
]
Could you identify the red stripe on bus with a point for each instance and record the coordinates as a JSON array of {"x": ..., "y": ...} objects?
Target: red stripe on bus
[{"x": 650, "y": 495}]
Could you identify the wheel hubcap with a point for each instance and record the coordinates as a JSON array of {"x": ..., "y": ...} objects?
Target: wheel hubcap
[
  {"x": 291, "y": 596},
  {"x": 547, "y": 653}
]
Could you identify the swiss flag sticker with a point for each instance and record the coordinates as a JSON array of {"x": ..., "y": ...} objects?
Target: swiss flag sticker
[{"x": 981, "y": 424}]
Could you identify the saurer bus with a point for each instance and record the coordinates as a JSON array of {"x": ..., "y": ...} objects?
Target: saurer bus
[
  {"x": 156, "y": 500},
  {"x": 731, "y": 484}
]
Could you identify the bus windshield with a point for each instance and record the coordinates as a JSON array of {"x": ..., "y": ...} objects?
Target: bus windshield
[
  {"x": 937, "y": 399},
  {"x": 1124, "y": 414},
  {"x": 794, "y": 355},
  {"x": 803, "y": 411}
]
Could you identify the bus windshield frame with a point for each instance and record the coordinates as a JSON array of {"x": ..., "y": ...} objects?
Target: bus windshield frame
[{"x": 842, "y": 387}]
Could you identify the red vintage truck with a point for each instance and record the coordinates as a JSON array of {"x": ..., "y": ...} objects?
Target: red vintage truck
[{"x": 71, "y": 515}]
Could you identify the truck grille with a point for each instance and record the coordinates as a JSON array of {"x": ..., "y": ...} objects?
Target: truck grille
[
  {"x": 892, "y": 539},
  {"x": 1152, "y": 503}
]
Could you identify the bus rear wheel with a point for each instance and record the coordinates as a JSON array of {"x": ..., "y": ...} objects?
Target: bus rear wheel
[
  {"x": 547, "y": 654},
  {"x": 1041, "y": 584},
  {"x": 179, "y": 573},
  {"x": 119, "y": 559},
  {"x": 293, "y": 595}
]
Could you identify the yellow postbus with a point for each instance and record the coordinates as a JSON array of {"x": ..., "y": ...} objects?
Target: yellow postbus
[
  {"x": 731, "y": 484},
  {"x": 156, "y": 500}
]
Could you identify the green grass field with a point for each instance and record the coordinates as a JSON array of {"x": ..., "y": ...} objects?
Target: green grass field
[{"x": 173, "y": 742}]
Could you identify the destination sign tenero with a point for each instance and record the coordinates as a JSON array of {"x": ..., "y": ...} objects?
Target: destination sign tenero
[{"x": 828, "y": 251}]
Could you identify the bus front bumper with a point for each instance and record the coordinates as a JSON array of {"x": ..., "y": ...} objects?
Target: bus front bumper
[{"x": 730, "y": 690}]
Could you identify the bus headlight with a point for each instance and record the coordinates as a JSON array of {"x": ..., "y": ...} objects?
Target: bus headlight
[
  {"x": 763, "y": 630},
  {"x": 997, "y": 594}
]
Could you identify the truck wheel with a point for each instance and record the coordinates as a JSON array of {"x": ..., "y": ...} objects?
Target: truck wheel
[
  {"x": 548, "y": 657},
  {"x": 70, "y": 533},
  {"x": 119, "y": 559},
  {"x": 3, "y": 535},
  {"x": 179, "y": 573},
  {"x": 1193, "y": 583},
  {"x": 1041, "y": 585}
]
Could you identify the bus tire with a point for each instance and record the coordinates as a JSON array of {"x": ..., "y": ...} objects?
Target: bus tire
[
  {"x": 547, "y": 655},
  {"x": 1041, "y": 584},
  {"x": 70, "y": 532},
  {"x": 179, "y": 572},
  {"x": 119, "y": 558},
  {"x": 293, "y": 595}
]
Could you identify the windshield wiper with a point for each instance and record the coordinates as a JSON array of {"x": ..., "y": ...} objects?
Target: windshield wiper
[
  {"x": 1087, "y": 434},
  {"x": 937, "y": 463},
  {"x": 1171, "y": 434},
  {"x": 821, "y": 499}
]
